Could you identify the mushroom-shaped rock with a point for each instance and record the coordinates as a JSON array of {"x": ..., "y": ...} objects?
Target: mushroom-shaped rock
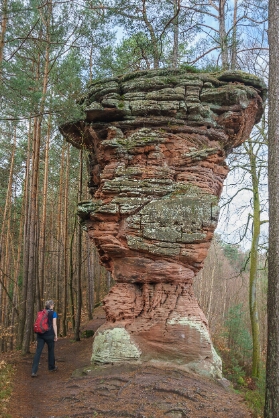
[{"x": 157, "y": 143}]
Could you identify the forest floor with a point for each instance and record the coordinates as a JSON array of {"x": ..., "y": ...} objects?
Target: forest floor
[{"x": 79, "y": 389}]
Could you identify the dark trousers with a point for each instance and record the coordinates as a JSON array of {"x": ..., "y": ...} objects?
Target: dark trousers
[{"x": 41, "y": 340}]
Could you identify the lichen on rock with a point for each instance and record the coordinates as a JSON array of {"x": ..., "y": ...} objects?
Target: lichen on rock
[
  {"x": 157, "y": 143},
  {"x": 113, "y": 345}
]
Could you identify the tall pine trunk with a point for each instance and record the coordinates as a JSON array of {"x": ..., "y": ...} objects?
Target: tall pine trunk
[
  {"x": 59, "y": 243},
  {"x": 32, "y": 239},
  {"x": 26, "y": 205},
  {"x": 42, "y": 242},
  {"x": 90, "y": 279},
  {"x": 272, "y": 365},
  {"x": 79, "y": 258},
  {"x": 65, "y": 249},
  {"x": 4, "y": 22},
  {"x": 253, "y": 303}
]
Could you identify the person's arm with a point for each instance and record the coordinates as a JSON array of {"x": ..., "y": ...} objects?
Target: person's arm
[{"x": 55, "y": 328}]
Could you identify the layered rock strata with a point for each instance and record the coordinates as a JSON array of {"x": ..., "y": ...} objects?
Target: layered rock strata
[{"x": 157, "y": 143}]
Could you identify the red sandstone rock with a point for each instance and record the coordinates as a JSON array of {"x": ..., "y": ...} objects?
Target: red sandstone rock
[{"x": 158, "y": 142}]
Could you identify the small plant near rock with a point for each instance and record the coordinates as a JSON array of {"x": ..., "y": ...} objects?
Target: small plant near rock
[
  {"x": 87, "y": 333},
  {"x": 255, "y": 394}
]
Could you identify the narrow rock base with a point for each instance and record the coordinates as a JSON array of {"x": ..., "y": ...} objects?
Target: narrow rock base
[{"x": 156, "y": 323}]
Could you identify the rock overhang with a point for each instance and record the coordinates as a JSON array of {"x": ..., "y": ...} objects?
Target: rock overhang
[{"x": 210, "y": 101}]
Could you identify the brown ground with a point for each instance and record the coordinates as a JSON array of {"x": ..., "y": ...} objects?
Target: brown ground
[{"x": 79, "y": 390}]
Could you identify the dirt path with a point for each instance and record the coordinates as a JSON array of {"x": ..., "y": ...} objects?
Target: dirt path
[
  {"x": 32, "y": 397},
  {"x": 80, "y": 390}
]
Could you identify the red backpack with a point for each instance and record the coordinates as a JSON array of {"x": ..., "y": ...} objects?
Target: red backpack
[{"x": 41, "y": 323}]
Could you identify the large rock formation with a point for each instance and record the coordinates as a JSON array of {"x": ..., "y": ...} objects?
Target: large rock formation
[{"x": 158, "y": 142}]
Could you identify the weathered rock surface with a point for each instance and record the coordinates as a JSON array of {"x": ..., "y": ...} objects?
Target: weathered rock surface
[{"x": 158, "y": 142}]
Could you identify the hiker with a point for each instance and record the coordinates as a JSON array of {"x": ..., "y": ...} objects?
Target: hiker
[{"x": 47, "y": 337}]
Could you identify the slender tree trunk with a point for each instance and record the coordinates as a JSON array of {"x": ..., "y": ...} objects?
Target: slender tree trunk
[
  {"x": 223, "y": 34},
  {"x": 175, "y": 36},
  {"x": 42, "y": 243},
  {"x": 5, "y": 244},
  {"x": 17, "y": 266},
  {"x": 211, "y": 290},
  {"x": 26, "y": 199},
  {"x": 66, "y": 272},
  {"x": 154, "y": 41},
  {"x": 97, "y": 279},
  {"x": 234, "y": 36},
  {"x": 32, "y": 239},
  {"x": 71, "y": 278},
  {"x": 4, "y": 23},
  {"x": 90, "y": 281},
  {"x": 200, "y": 286},
  {"x": 58, "y": 269},
  {"x": 7, "y": 299},
  {"x": 79, "y": 258},
  {"x": 91, "y": 64},
  {"x": 253, "y": 306},
  {"x": 225, "y": 300},
  {"x": 5, "y": 268},
  {"x": 9, "y": 192},
  {"x": 272, "y": 365}
]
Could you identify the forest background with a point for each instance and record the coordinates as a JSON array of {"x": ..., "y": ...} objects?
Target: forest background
[{"x": 50, "y": 51}]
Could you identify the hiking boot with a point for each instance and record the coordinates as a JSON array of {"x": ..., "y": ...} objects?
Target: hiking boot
[
  {"x": 54, "y": 370},
  {"x": 34, "y": 375}
]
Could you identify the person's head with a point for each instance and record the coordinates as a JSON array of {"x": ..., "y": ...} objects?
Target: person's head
[{"x": 49, "y": 304}]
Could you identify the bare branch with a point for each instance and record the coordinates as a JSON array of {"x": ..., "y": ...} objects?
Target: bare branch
[
  {"x": 203, "y": 55},
  {"x": 24, "y": 39}
]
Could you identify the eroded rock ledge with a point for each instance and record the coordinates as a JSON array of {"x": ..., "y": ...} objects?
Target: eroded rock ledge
[{"x": 157, "y": 143}]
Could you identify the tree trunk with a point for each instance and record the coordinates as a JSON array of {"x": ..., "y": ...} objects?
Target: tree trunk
[
  {"x": 26, "y": 199},
  {"x": 253, "y": 277},
  {"x": 234, "y": 37},
  {"x": 6, "y": 246},
  {"x": 223, "y": 34},
  {"x": 175, "y": 36},
  {"x": 32, "y": 240},
  {"x": 272, "y": 365},
  {"x": 4, "y": 22},
  {"x": 58, "y": 268},
  {"x": 91, "y": 64},
  {"x": 66, "y": 272},
  {"x": 79, "y": 258},
  {"x": 42, "y": 242},
  {"x": 154, "y": 41},
  {"x": 71, "y": 278},
  {"x": 97, "y": 281},
  {"x": 211, "y": 289},
  {"x": 90, "y": 281}
]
